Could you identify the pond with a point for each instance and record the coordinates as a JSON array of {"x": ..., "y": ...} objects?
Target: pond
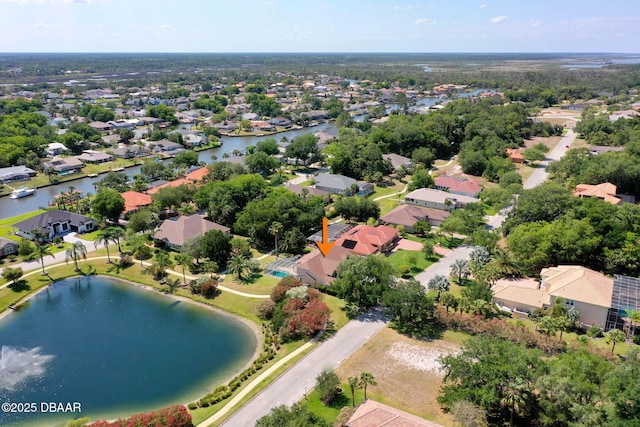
[{"x": 115, "y": 349}]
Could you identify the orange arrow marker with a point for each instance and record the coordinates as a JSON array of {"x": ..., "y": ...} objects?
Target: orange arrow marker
[{"x": 325, "y": 246}]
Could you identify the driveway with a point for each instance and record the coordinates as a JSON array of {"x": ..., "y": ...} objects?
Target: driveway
[
  {"x": 298, "y": 380},
  {"x": 443, "y": 267}
]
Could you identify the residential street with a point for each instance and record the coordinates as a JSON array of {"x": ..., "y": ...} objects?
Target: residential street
[
  {"x": 291, "y": 386},
  {"x": 540, "y": 175}
]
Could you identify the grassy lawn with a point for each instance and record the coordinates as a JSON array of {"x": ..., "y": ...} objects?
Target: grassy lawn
[
  {"x": 259, "y": 284},
  {"x": 388, "y": 204},
  {"x": 6, "y": 229},
  {"x": 331, "y": 412},
  {"x": 403, "y": 257},
  {"x": 386, "y": 190}
]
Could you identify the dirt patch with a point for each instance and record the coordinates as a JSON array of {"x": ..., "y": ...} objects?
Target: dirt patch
[{"x": 407, "y": 372}]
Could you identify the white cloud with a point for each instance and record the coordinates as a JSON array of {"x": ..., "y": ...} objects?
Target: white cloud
[
  {"x": 483, "y": 6},
  {"x": 535, "y": 23},
  {"x": 403, "y": 7},
  {"x": 167, "y": 28},
  {"x": 421, "y": 21},
  {"x": 498, "y": 19},
  {"x": 49, "y": 2},
  {"x": 42, "y": 25}
]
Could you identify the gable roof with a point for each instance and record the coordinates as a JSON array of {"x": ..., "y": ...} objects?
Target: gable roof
[
  {"x": 178, "y": 230},
  {"x": 367, "y": 240},
  {"x": 398, "y": 160},
  {"x": 44, "y": 220},
  {"x": 175, "y": 183},
  {"x": 376, "y": 414},
  {"x": 578, "y": 283},
  {"x": 133, "y": 200},
  {"x": 458, "y": 185}
]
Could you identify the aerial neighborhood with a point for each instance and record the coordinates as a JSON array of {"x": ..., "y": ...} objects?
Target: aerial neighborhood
[{"x": 481, "y": 221}]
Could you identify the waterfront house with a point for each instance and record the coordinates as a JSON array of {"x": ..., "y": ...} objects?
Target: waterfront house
[
  {"x": 54, "y": 223},
  {"x": 63, "y": 166},
  {"x": 95, "y": 157},
  {"x": 16, "y": 173},
  {"x": 165, "y": 146}
]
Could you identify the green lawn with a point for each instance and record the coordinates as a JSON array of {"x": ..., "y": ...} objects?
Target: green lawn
[
  {"x": 259, "y": 284},
  {"x": 331, "y": 412},
  {"x": 6, "y": 229},
  {"x": 419, "y": 263}
]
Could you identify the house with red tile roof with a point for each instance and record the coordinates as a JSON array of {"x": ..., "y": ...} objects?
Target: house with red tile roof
[
  {"x": 315, "y": 269},
  {"x": 376, "y": 414},
  {"x": 605, "y": 191},
  {"x": 515, "y": 155},
  {"x": 458, "y": 185},
  {"x": 172, "y": 184},
  {"x": 368, "y": 240},
  {"x": 134, "y": 201},
  {"x": 198, "y": 175}
]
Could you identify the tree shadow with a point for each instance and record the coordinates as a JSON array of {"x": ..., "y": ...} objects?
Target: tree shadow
[
  {"x": 340, "y": 401},
  {"x": 20, "y": 286}
]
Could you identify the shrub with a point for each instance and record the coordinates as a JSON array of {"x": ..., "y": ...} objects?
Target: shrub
[
  {"x": 265, "y": 309},
  {"x": 636, "y": 339},
  {"x": 172, "y": 416},
  {"x": 328, "y": 386},
  {"x": 595, "y": 331}
]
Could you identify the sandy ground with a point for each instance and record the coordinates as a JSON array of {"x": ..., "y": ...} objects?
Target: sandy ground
[{"x": 407, "y": 372}]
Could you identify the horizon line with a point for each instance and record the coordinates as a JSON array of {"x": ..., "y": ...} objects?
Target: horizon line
[{"x": 326, "y": 53}]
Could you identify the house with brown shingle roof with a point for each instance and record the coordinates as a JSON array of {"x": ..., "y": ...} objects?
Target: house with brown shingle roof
[
  {"x": 376, "y": 414},
  {"x": 588, "y": 291},
  {"x": 408, "y": 215},
  {"x": 174, "y": 232}
]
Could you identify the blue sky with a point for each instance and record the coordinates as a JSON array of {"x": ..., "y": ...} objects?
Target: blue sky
[{"x": 319, "y": 26}]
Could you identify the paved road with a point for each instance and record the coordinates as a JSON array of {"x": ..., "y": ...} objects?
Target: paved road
[
  {"x": 443, "y": 267},
  {"x": 540, "y": 175},
  {"x": 291, "y": 386}
]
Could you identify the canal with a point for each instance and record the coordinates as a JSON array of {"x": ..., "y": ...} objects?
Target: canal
[{"x": 11, "y": 207}]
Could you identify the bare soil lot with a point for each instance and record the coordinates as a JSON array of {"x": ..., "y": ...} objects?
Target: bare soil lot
[{"x": 407, "y": 371}]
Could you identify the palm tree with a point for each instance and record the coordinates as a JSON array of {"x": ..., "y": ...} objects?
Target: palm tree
[
  {"x": 440, "y": 284},
  {"x": 77, "y": 250},
  {"x": 514, "y": 398},
  {"x": 41, "y": 251},
  {"x": 210, "y": 267},
  {"x": 353, "y": 385},
  {"x": 460, "y": 268},
  {"x": 275, "y": 229},
  {"x": 105, "y": 236},
  {"x": 118, "y": 234},
  {"x": 183, "y": 260},
  {"x": 163, "y": 261},
  {"x": 367, "y": 378},
  {"x": 239, "y": 265},
  {"x": 505, "y": 264},
  {"x": 615, "y": 336}
]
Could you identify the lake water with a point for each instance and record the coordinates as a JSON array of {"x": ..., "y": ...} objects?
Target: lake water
[{"x": 116, "y": 349}]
